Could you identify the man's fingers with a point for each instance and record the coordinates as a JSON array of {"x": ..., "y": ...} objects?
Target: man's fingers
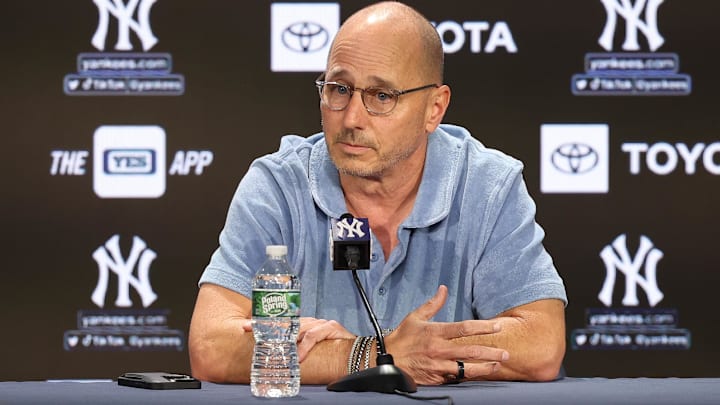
[
  {"x": 454, "y": 330},
  {"x": 317, "y": 330},
  {"x": 475, "y": 370},
  {"x": 304, "y": 346},
  {"x": 307, "y": 323},
  {"x": 470, "y": 371},
  {"x": 433, "y": 305},
  {"x": 473, "y": 353},
  {"x": 479, "y": 360},
  {"x": 308, "y": 338}
]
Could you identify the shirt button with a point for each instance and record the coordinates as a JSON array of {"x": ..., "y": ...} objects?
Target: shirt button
[
  {"x": 382, "y": 290},
  {"x": 373, "y": 257}
]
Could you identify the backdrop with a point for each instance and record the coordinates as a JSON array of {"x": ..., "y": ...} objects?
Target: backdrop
[{"x": 128, "y": 124}]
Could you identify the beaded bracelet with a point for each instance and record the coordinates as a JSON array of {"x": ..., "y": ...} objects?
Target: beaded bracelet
[
  {"x": 360, "y": 353},
  {"x": 363, "y": 349},
  {"x": 368, "y": 349},
  {"x": 354, "y": 358},
  {"x": 356, "y": 355}
]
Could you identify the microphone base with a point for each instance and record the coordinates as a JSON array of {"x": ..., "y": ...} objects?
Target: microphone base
[{"x": 384, "y": 378}]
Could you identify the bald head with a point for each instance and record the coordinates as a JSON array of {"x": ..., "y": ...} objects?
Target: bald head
[{"x": 394, "y": 21}]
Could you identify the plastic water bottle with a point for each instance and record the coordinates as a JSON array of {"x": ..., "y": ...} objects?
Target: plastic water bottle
[{"x": 276, "y": 321}]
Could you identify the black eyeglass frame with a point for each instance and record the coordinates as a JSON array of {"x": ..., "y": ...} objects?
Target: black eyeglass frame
[{"x": 320, "y": 83}]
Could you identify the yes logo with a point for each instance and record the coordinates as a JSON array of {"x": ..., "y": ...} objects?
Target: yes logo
[{"x": 129, "y": 161}]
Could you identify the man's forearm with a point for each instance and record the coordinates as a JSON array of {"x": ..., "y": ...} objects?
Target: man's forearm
[
  {"x": 221, "y": 341},
  {"x": 326, "y": 362},
  {"x": 535, "y": 342},
  {"x": 226, "y": 357},
  {"x": 222, "y": 355}
]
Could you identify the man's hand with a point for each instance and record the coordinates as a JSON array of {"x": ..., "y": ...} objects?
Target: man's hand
[
  {"x": 312, "y": 332},
  {"x": 426, "y": 350}
]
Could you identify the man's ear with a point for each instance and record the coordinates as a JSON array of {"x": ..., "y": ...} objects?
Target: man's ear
[{"x": 437, "y": 106}]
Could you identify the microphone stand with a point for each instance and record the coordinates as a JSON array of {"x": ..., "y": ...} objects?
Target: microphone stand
[{"x": 386, "y": 376}]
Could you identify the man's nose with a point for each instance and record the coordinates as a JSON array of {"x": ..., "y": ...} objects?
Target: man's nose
[{"x": 355, "y": 112}]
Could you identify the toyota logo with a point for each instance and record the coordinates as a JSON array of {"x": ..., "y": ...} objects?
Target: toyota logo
[
  {"x": 574, "y": 158},
  {"x": 305, "y": 37}
]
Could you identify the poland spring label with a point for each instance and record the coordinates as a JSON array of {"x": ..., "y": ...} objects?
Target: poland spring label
[{"x": 269, "y": 303}]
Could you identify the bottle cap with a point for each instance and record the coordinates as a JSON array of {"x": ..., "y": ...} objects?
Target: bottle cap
[{"x": 276, "y": 250}]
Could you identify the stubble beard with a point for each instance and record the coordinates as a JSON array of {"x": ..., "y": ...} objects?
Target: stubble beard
[{"x": 385, "y": 162}]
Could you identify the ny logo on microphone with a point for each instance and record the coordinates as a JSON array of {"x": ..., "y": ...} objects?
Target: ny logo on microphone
[
  {"x": 343, "y": 229},
  {"x": 350, "y": 243}
]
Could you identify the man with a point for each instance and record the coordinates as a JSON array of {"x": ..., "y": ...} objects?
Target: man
[{"x": 458, "y": 268}]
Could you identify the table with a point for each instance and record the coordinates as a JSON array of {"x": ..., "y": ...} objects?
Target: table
[{"x": 628, "y": 391}]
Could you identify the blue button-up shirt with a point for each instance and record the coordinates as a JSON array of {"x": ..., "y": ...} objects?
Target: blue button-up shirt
[{"x": 472, "y": 229}]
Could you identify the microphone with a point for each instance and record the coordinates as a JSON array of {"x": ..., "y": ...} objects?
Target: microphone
[
  {"x": 350, "y": 243},
  {"x": 350, "y": 250}
]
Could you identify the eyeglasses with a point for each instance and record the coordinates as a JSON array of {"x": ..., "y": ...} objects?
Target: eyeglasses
[{"x": 377, "y": 100}]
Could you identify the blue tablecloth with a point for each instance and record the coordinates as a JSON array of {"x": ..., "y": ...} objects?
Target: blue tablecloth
[{"x": 671, "y": 391}]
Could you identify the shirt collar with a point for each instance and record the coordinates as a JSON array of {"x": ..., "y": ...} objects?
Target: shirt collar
[{"x": 434, "y": 196}]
